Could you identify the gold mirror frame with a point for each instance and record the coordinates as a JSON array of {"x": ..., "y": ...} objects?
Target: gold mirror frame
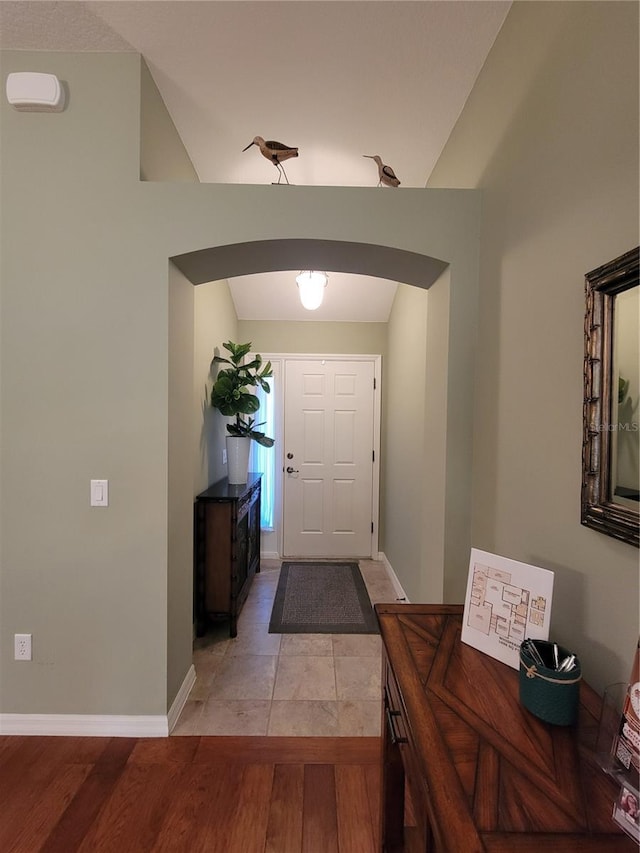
[{"x": 598, "y": 509}]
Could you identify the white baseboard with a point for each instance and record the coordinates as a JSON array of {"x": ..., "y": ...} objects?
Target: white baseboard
[
  {"x": 269, "y": 555},
  {"x": 99, "y": 725},
  {"x": 183, "y": 694},
  {"x": 400, "y": 593},
  {"x": 84, "y": 725}
]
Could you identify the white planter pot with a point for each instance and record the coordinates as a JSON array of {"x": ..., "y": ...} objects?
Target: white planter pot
[{"x": 238, "y": 458}]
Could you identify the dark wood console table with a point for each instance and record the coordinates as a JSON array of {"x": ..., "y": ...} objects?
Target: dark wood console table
[
  {"x": 467, "y": 769},
  {"x": 227, "y": 550}
]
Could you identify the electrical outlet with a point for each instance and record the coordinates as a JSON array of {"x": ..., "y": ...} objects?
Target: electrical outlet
[
  {"x": 22, "y": 646},
  {"x": 224, "y": 456}
]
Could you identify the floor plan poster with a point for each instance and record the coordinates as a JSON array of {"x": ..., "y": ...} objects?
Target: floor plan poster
[{"x": 506, "y": 602}]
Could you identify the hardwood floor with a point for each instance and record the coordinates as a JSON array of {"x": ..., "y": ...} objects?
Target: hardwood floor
[{"x": 214, "y": 794}]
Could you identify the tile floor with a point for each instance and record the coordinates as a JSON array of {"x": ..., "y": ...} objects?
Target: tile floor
[{"x": 305, "y": 685}]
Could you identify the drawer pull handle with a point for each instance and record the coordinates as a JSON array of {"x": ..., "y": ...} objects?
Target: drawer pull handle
[{"x": 392, "y": 729}]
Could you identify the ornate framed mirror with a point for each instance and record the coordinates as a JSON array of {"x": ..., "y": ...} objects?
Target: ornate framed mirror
[{"x": 611, "y": 436}]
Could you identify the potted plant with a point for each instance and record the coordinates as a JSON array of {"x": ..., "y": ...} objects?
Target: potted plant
[{"x": 232, "y": 395}]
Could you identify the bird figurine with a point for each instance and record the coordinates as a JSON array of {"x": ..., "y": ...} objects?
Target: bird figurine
[
  {"x": 385, "y": 173},
  {"x": 274, "y": 151}
]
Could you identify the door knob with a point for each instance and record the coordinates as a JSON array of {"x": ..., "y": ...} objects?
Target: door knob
[{"x": 291, "y": 470}]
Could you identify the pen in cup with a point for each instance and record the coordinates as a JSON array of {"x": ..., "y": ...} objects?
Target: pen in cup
[
  {"x": 533, "y": 652},
  {"x": 565, "y": 665}
]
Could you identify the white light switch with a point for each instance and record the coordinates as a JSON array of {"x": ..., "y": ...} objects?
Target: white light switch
[{"x": 99, "y": 493}]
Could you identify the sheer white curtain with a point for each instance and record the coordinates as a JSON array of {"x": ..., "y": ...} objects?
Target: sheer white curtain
[{"x": 263, "y": 459}]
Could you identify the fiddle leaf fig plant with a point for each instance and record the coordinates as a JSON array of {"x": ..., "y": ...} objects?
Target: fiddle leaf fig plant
[{"x": 232, "y": 395}]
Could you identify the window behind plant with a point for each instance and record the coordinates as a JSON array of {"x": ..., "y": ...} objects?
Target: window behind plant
[{"x": 262, "y": 459}]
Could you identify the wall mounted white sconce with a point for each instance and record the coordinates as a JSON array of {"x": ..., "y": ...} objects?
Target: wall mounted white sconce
[
  {"x": 311, "y": 285},
  {"x": 32, "y": 91}
]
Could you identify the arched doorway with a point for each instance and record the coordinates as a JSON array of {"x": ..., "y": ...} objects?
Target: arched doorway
[
  {"x": 215, "y": 264},
  {"x": 203, "y": 266}
]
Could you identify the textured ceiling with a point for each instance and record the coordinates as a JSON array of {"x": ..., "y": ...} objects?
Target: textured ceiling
[{"x": 338, "y": 79}]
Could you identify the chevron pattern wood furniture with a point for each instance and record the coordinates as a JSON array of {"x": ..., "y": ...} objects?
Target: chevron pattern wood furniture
[{"x": 482, "y": 774}]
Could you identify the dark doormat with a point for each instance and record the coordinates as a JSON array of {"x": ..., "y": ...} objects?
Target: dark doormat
[{"x": 322, "y": 598}]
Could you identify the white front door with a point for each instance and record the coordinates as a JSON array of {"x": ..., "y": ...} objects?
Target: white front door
[{"x": 328, "y": 457}]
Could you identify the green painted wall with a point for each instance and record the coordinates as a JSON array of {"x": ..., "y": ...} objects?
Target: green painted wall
[
  {"x": 85, "y": 363},
  {"x": 180, "y": 479},
  {"x": 313, "y": 337},
  {"x": 550, "y": 135},
  {"x": 404, "y": 390},
  {"x": 84, "y": 380},
  {"x": 215, "y": 322},
  {"x": 440, "y": 542},
  {"x": 162, "y": 155}
]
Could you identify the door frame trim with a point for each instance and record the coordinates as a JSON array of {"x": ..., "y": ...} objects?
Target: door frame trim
[{"x": 281, "y": 359}]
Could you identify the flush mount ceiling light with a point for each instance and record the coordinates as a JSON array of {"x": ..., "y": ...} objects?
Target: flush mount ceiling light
[{"x": 311, "y": 285}]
